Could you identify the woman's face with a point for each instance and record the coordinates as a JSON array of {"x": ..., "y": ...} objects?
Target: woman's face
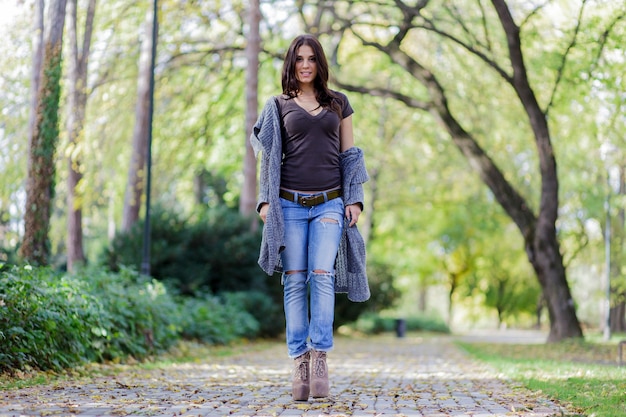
[{"x": 306, "y": 66}]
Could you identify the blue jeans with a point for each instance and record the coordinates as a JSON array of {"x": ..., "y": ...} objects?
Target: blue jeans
[{"x": 312, "y": 237}]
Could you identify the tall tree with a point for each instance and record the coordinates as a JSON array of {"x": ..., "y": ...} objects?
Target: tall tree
[
  {"x": 247, "y": 202},
  {"x": 77, "y": 103},
  {"x": 539, "y": 231},
  {"x": 617, "y": 254},
  {"x": 398, "y": 44},
  {"x": 43, "y": 142},
  {"x": 137, "y": 169},
  {"x": 35, "y": 78}
]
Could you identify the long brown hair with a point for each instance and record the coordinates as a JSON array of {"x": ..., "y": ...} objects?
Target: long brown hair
[{"x": 290, "y": 84}]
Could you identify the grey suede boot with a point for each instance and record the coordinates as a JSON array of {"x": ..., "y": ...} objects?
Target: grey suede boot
[
  {"x": 319, "y": 375},
  {"x": 301, "y": 377}
]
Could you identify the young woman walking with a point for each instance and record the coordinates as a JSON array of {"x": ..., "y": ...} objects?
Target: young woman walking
[{"x": 310, "y": 199}]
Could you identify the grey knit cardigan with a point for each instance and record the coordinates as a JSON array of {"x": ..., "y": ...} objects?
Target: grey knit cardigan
[{"x": 350, "y": 271}]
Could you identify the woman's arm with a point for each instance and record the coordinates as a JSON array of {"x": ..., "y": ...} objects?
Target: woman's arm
[
  {"x": 353, "y": 211},
  {"x": 346, "y": 134}
]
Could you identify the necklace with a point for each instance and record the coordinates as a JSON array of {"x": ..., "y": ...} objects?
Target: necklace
[
  {"x": 306, "y": 104},
  {"x": 312, "y": 110},
  {"x": 307, "y": 101}
]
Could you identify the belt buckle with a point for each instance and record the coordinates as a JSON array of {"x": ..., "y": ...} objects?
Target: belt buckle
[{"x": 304, "y": 201}]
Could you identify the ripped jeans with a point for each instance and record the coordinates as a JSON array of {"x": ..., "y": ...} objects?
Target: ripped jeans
[{"x": 312, "y": 237}]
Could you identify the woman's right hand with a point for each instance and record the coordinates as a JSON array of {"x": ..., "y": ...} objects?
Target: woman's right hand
[{"x": 263, "y": 211}]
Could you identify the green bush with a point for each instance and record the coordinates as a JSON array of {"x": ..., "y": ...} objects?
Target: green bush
[
  {"x": 372, "y": 323},
  {"x": 142, "y": 318},
  {"x": 427, "y": 324},
  {"x": 216, "y": 320},
  {"x": 47, "y": 321},
  {"x": 214, "y": 250},
  {"x": 383, "y": 295},
  {"x": 50, "y": 320},
  {"x": 267, "y": 310},
  {"x": 8, "y": 257}
]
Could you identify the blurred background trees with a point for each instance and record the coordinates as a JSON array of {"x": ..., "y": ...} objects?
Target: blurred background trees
[{"x": 427, "y": 79}]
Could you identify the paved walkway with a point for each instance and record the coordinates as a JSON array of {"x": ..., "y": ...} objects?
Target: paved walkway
[{"x": 383, "y": 376}]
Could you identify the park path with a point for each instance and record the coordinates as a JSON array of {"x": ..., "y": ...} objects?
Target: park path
[{"x": 380, "y": 376}]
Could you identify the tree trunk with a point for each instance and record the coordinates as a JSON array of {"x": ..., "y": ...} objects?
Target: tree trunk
[
  {"x": 453, "y": 280},
  {"x": 136, "y": 171},
  {"x": 617, "y": 316},
  {"x": 542, "y": 245},
  {"x": 43, "y": 141},
  {"x": 77, "y": 103},
  {"x": 35, "y": 78},
  {"x": 423, "y": 298},
  {"x": 199, "y": 185},
  {"x": 247, "y": 202},
  {"x": 368, "y": 227}
]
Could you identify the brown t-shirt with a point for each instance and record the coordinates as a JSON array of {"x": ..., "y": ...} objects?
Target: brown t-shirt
[{"x": 311, "y": 146}]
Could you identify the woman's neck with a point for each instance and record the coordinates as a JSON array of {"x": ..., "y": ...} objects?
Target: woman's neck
[{"x": 306, "y": 91}]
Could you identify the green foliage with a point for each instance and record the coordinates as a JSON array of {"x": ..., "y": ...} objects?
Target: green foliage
[
  {"x": 501, "y": 277},
  {"x": 8, "y": 256},
  {"x": 217, "y": 320},
  {"x": 42, "y": 170},
  {"x": 199, "y": 113},
  {"x": 383, "y": 295},
  {"x": 372, "y": 323},
  {"x": 142, "y": 318},
  {"x": 49, "y": 128},
  {"x": 47, "y": 321},
  {"x": 213, "y": 251},
  {"x": 266, "y": 308}
]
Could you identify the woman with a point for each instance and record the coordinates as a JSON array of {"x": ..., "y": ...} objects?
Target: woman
[{"x": 310, "y": 200}]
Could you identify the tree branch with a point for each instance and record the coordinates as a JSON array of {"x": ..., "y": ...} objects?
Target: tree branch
[
  {"x": 604, "y": 38},
  {"x": 559, "y": 75},
  {"x": 385, "y": 92},
  {"x": 433, "y": 28},
  {"x": 485, "y": 27},
  {"x": 511, "y": 201},
  {"x": 453, "y": 11},
  {"x": 202, "y": 52},
  {"x": 534, "y": 12}
]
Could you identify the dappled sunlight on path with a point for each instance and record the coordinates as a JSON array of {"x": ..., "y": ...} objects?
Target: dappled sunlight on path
[{"x": 377, "y": 376}]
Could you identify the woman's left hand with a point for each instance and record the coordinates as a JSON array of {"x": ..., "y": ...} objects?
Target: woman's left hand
[{"x": 353, "y": 211}]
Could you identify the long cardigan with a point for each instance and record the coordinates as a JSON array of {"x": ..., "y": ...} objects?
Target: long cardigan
[{"x": 350, "y": 271}]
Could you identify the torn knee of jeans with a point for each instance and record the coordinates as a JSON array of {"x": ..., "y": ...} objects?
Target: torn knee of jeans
[
  {"x": 329, "y": 220},
  {"x": 294, "y": 272},
  {"x": 320, "y": 271}
]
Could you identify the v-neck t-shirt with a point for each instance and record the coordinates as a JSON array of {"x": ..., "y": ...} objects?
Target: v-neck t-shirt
[{"x": 311, "y": 146}]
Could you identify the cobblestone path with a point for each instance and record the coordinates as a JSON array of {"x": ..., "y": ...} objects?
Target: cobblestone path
[{"x": 382, "y": 376}]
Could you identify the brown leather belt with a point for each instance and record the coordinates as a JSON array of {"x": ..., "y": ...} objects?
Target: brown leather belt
[{"x": 310, "y": 200}]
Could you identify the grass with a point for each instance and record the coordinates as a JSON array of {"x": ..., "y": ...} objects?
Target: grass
[{"x": 582, "y": 375}]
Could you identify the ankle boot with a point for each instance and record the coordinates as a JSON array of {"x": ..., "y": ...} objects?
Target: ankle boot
[
  {"x": 301, "y": 377},
  {"x": 319, "y": 375}
]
